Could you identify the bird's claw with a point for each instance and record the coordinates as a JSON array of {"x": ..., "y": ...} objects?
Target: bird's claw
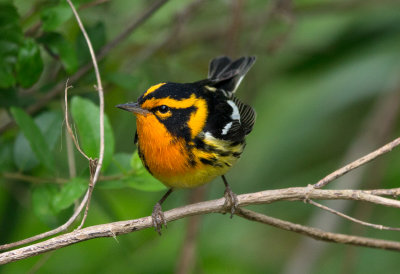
[
  {"x": 231, "y": 200},
  {"x": 158, "y": 218}
]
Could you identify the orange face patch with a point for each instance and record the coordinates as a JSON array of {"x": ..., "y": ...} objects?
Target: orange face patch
[{"x": 164, "y": 154}]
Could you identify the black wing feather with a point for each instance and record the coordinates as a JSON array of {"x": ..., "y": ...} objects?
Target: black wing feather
[{"x": 247, "y": 115}]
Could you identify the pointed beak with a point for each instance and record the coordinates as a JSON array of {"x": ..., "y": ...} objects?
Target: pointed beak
[{"x": 133, "y": 107}]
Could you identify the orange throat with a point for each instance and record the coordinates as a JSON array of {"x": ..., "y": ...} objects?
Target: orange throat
[{"x": 163, "y": 154}]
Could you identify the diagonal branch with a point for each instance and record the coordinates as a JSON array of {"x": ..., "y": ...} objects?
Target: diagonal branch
[
  {"x": 318, "y": 234},
  {"x": 355, "y": 220},
  {"x": 218, "y": 206},
  {"x": 357, "y": 163}
]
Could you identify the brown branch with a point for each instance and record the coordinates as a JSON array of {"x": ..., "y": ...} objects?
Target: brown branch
[
  {"x": 218, "y": 206},
  {"x": 357, "y": 163},
  {"x": 319, "y": 234},
  {"x": 56, "y": 90},
  {"x": 355, "y": 220},
  {"x": 394, "y": 192}
]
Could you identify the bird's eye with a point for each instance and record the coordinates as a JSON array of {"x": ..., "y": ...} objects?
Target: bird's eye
[{"x": 163, "y": 109}]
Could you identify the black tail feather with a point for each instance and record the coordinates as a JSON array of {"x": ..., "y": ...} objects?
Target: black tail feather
[{"x": 227, "y": 74}]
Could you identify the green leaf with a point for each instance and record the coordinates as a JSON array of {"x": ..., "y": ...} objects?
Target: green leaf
[
  {"x": 69, "y": 193},
  {"x": 50, "y": 125},
  {"x": 55, "y": 16},
  {"x": 59, "y": 46},
  {"x": 142, "y": 179},
  {"x": 24, "y": 157},
  {"x": 35, "y": 137},
  {"x": 86, "y": 117},
  {"x": 42, "y": 197},
  {"x": 30, "y": 64}
]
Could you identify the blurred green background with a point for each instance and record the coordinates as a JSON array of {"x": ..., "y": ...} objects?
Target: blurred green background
[{"x": 325, "y": 86}]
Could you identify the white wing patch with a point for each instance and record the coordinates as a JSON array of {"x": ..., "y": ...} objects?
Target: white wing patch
[
  {"x": 235, "y": 113},
  {"x": 226, "y": 128}
]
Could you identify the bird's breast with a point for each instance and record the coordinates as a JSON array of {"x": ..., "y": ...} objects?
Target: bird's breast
[{"x": 174, "y": 162}]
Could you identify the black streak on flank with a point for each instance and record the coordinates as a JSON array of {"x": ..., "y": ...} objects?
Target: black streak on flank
[
  {"x": 144, "y": 161},
  {"x": 211, "y": 161},
  {"x": 199, "y": 143},
  {"x": 191, "y": 159}
]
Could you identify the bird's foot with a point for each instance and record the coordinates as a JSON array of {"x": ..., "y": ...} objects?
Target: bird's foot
[
  {"x": 158, "y": 218},
  {"x": 231, "y": 200}
]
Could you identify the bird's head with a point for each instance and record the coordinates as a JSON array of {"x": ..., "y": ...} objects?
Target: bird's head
[{"x": 177, "y": 107}]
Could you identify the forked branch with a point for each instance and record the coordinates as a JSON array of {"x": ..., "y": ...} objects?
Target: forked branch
[{"x": 217, "y": 206}]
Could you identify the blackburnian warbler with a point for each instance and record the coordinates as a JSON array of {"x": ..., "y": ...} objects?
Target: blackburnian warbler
[{"x": 188, "y": 134}]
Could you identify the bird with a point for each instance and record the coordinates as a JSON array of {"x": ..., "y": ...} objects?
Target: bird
[{"x": 187, "y": 134}]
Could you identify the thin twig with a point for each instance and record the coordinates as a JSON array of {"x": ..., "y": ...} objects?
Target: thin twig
[
  {"x": 357, "y": 163},
  {"x": 318, "y": 234},
  {"x": 70, "y": 154},
  {"x": 376, "y": 226},
  {"x": 218, "y": 206},
  {"x": 70, "y": 131},
  {"x": 99, "y": 88}
]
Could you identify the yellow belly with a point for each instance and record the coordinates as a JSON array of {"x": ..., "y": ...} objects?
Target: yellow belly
[{"x": 199, "y": 175}]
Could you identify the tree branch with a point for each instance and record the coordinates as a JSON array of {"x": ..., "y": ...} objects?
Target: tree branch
[
  {"x": 355, "y": 220},
  {"x": 217, "y": 206},
  {"x": 357, "y": 163},
  {"x": 319, "y": 234}
]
